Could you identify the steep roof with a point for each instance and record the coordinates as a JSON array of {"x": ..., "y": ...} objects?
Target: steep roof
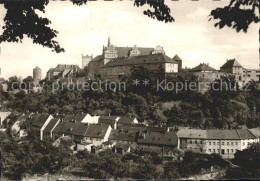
[
  {"x": 80, "y": 117},
  {"x": 80, "y": 129},
  {"x": 139, "y": 60},
  {"x": 125, "y": 120},
  {"x": 124, "y": 51},
  {"x": 255, "y": 131},
  {"x": 160, "y": 139},
  {"x": 68, "y": 118},
  {"x": 123, "y": 136},
  {"x": 40, "y": 120},
  {"x": 51, "y": 125},
  {"x": 192, "y": 133},
  {"x": 176, "y": 57},
  {"x": 58, "y": 127},
  {"x": 203, "y": 67},
  {"x": 68, "y": 128},
  {"x": 97, "y": 130},
  {"x": 231, "y": 63}
]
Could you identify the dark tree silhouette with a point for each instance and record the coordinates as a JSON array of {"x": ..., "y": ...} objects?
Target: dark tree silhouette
[
  {"x": 239, "y": 14},
  {"x": 21, "y": 18}
]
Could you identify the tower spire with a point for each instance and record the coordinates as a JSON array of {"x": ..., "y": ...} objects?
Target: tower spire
[{"x": 108, "y": 41}]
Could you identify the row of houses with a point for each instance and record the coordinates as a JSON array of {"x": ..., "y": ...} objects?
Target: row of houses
[
  {"x": 123, "y": 134},
  {"x": 223, "y": 142}
]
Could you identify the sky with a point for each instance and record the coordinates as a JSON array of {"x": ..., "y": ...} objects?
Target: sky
[{"x": 85, "y": 29}]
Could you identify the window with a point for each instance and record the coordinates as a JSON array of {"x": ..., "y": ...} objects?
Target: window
[
  {"x": 190, "y": 141},
  {"x": 195, "y": 141},
  {"x": 209, "y": 150},
  {"x": 232, "y": 150},
  {"x": 236, "y": 143},
  {"x": 227, "y": 150},
  {"x": 243, "y": 143},
  {"x": 209, "y": 143},
  {"x": 232, "y": 143},
  {"x": 214, "y": 143},
  {"x": 217, "y": 143},
  {"x": 200, "y": 142},
  {"x": 227, "y": 143},
  {"x": 214, "y": 150},
  {"x": 223, "y": 143},
  {"x": 218, "y": 150}
]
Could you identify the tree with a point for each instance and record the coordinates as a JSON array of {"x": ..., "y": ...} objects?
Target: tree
[
  {"x": 22, "y": 19},
  {"x": 239, "y": 14}
]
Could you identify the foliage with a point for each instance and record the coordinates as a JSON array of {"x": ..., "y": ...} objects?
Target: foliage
[
  {"x": 22, "y": 19},
  {"x": 239, "y": 14}
]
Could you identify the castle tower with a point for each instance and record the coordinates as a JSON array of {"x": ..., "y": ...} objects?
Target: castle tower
[
  {"x": 179, "y": 60},
  {"x": 37, "y": 73},
  {"x": 86, "y": 59}
]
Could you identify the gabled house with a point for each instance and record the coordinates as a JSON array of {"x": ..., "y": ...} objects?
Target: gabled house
[
  {"x": 97, "y": 134},
  {"x": 126, "y": 120},
  {"x": 123, "y": 136},
  {"x": 121, "y": 148},
  {"x": 111, "y": 120},
  {"x": 19, "y": 120},
  {"x": 90, "y": 119},
  {"x": 67, "y": 129},
  {"x": 47, "y": 132},
  {"x": 56, "y": 131},
  {"x": 81, "y": 117},
  {"x": 40, "y": 121},
  {"x": 3, "y": 116}
]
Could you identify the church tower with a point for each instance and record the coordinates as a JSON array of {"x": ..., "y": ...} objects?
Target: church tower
[{"x": 110, "y": 52}]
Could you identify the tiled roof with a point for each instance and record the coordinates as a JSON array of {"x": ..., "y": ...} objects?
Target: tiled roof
[
  {"x": 231, "y": 63},
  {"x": 192, "y": 133},
  {"x": 79, "y": 117},
  {"x": 124, "y": 51},
  {"x": 255, "y": 131},
  {"x": 39, "y": 120},
  {"x": 68, "y": 128},
  {"x": 245, "y": 134},
  {"x": 97, "y": 130},
  {"x": 51, "y": 124},
  {"x": 203, "y": 67},
  {"x": 80, "y": 129},
  {"x": 122, "y": 146},
  {"x": 68, "y": 118},
  {"x": 159, "y": 139},
  {"x": 58, "y": 127},
  {"x": 125, "y": 120},
  {"x": 138, "y": 60},
  {"x": 222, "y": 134},
  {"x": 123, "y": 136}
]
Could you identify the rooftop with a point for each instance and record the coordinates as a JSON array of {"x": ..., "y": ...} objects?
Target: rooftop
[
  {"x": 142, "y": 59},
  {"x": 231, "y": 63}
]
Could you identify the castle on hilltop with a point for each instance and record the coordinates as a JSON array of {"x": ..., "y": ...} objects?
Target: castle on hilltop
[{"x": 115, "y": 62}]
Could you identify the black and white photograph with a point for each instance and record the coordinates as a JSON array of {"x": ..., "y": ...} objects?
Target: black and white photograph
[{"x": 129, "y": 90}]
